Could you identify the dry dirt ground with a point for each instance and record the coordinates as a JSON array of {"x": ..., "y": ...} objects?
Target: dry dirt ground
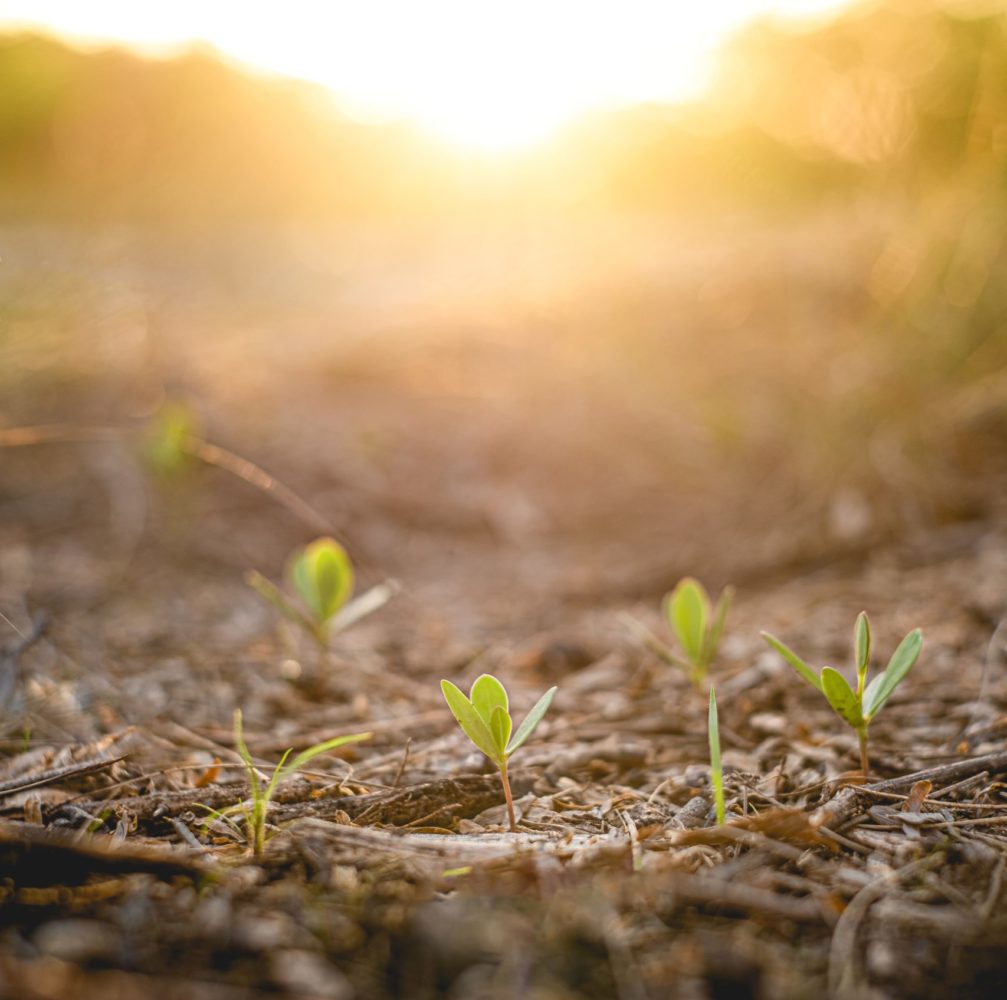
[{"x": 130, "y": 638}]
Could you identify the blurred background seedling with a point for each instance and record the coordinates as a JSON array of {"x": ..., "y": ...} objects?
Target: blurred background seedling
[
  {"x": 168, "y": 437},
  {"x": 321, "y": 575},
  {"x": 255, "y": 810},
  {"x": 484, "y": 717},
  {"x": 696, "y": 623},
  {"x": 858, "y": 707}
]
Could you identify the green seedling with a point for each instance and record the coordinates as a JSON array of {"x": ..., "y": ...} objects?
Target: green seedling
[
  {"x": 261, "y": 795},
  {"x": 696, "y": 623},
  {"x": 168, "y": 437},
  {"x": 716, "y": 769},
  {"x": 321, "y": 575},
  {"x": 858, "y": 707},
  {"x": 485, "y": 719}
]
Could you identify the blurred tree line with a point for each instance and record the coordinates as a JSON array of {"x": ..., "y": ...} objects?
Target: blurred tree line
[{"x": 895, "y": 97}]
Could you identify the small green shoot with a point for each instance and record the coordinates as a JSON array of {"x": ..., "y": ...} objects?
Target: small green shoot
[
  {"x": 484, "y": 717},
  {"x": 697, "y": 625},
  {"x": 261, "y": 796},
  {"x": 321, "y": 575},
  {"x": 167, "y": 439},
  {"x": 716, "y": 769},
  {"x": 858, "y": 707}
]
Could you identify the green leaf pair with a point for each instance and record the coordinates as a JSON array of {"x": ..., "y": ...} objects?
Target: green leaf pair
[
  {"x": 697, "y": 624},
  {"x": 484, "y": 717},
  {"x": 858, "y": 707},
  {"x": 321, "y": 575}
]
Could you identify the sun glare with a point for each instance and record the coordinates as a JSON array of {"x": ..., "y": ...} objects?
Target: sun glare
[{"x": 486, "y": 76}]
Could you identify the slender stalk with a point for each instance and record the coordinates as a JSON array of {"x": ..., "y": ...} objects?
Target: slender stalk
[
  {"x": 865, "y": 764},
  {"x": 508, "y": 797},
  {"x": 716, "y": 768}
]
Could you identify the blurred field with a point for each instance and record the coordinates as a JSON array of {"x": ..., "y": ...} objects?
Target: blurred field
[
  {"x": 779, "y": 310},
  {"x": 759, "y": 338}
]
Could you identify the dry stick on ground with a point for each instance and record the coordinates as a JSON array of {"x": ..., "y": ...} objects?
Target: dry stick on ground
[
  {"x": 395, "y": 807},
  {"x": 843, "y": 977},
  {"x": 15, "y": 785},
  {"x": 59, "y": 857},
  {"x": 10, "y": 674},
  {"x": 845, "y": 805},
  {"x": 211, "y": 454}
]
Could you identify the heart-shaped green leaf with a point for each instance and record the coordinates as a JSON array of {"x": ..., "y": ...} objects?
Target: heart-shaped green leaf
[
  {"x": 794, "y": 660},
  {"x": 500, "y": 727},
  {"x": 323, "y": 577},
  {"x": 531, "y": 720},
  {"x": 688, "y": 611},
  {"x": 487, "y": 694},
  {"x": 862, "y": 641},
  {"x": 879, "y": 690},
  {"x": 470, "y": 720},
  {"x": 841, "y": 697}
]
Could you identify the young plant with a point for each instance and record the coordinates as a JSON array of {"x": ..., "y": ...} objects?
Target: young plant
[
  {"x": 485, "y": 719},
  {"x": 167, "y": 439},
  {"x": 697, "y": 624},
  {"x": 716, "y": 770},
  {"x": 321, "y": 575},
  {"x": 858, "y": 707},
  {"x": 261, "y": 795}
]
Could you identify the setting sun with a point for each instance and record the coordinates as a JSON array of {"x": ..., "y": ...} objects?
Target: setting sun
[{"x": 485, "y": 76}]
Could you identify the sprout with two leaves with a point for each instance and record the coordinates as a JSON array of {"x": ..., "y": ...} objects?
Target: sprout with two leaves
[
  {"x": 485, "y": 719},
  {"x": 697, "y": 624},
  {"x": 321, "y": 575},
  {"x": 858, "y": 707}
]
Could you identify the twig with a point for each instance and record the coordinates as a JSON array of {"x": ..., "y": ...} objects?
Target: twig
[
  {"x": 843, "y": 973},
  {"x": 211, "y": 454},
  {"x": 404, "y": 762},
  {"x": 15, "y": 785},
  {"x": 845, "y": 805}
]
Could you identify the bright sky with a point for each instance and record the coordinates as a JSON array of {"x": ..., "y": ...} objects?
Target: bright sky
[{"x": 481, "y": 73}]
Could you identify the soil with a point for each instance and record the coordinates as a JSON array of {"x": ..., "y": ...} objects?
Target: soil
[{"x": 522, "y": 520}]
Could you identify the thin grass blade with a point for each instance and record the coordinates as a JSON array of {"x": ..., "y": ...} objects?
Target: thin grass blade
[
  {"x": 305, "y": 756},
  {"x": 246, "y": 758},
  {"x": 716, "y": 768},
  {"x": 274, "y": 778}
]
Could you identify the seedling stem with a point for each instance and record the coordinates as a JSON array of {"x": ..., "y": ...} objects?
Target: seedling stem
[{"x": 509, "y": 797}]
